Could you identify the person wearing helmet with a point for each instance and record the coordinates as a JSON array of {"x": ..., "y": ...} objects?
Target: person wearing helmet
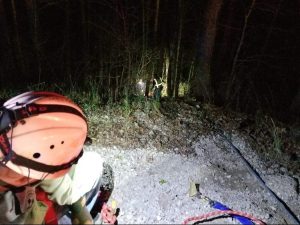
[{"x": 44, "y": 172}]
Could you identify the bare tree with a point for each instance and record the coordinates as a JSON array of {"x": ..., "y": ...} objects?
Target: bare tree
[
  {"x": 6, "y": 57},
  {"x": 156, "y": 21},
  {"x": 178, "y": 49},
  {"x": 35, "y": 37},
  {"x": 67, "y": 44},
  {"x": 204, "y": 78},
  {"x": 17, "y": 41},
  {"x": 85, "y": 31},
  {"x": 232, "y": 75}
]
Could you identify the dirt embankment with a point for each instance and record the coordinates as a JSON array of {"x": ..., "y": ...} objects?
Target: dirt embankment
[{"x": 177, "y": 125}]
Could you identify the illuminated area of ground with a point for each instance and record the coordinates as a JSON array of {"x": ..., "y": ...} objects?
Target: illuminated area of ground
[{"x": 153, "y": 187}]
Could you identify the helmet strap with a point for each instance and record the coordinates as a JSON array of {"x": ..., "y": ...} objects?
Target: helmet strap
[
  {"x": 41, "y": 167},
  {"x": 5, "y": 148},
  {"x": 33, "y": 109}
]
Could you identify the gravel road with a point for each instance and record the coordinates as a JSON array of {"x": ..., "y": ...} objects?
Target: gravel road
[{"x": 153, "y": 186}]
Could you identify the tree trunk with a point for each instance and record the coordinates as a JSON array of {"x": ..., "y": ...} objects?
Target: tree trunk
[
  {"x": 232, "y": 75},
  {"x": 225, "y": 53},
  {"x": 156, "y": 23},
  {"x": 85, "y": 33},
  {"x": 208, "y": 43},
  {"x": 165, "y": 69},
  {"x": 17, "y": 42},
  {"x": 144, "y": 46},
  {"x": 178, "y": 49},
  {"x": 7, "y": 53},
  {"x": 170, "y": 80},
  {"x": 35, "y": 33},
  {"x": 67, "y": 43},
  {"x": 263, "y": 49}
]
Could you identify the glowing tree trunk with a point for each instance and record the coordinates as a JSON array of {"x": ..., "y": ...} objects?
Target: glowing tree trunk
[{"x": 178, "y": 49}]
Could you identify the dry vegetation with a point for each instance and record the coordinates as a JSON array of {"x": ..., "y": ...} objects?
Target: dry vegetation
[{"x": 176, "y": 125}]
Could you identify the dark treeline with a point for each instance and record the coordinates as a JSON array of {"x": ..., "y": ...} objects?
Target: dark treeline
[{"x": 239, "y": 54}]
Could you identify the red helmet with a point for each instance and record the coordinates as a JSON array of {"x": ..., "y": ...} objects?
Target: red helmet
[{"x": 41, "y": 134}]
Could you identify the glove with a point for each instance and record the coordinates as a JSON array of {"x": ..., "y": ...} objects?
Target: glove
[{"x": 108, "y": 215}]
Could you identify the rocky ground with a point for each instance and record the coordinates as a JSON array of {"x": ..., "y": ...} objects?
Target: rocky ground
[
  {"x": 176, "y": 125},
  {"x": 160, "y": 149}
]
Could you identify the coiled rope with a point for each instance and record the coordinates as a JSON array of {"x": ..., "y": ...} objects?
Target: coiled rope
[{"x": 215, "y": 214}]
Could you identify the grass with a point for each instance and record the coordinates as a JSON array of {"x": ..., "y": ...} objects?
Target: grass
[
  {"x": 6, "y": 94},
  {"x": 277, "y": 138},
  {"x": 184, "y": 89},
  {"x": 267, "y": 124},
  {"x": 162, "y": 181},
  {"x": 132, "y": 103},
  {"x": 101, "y": 114}
]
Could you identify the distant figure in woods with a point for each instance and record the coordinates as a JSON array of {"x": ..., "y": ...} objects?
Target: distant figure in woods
[
  {"x": 141, "y": 87},
  {"x": 157, "y": 90},
  {"x": 44, "y": 172}
]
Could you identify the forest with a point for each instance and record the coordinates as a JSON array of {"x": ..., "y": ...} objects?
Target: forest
[{"x": 242, "y": 55}]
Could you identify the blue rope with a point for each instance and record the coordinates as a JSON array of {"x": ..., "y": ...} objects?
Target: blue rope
[{"x": 243, "y": 220}]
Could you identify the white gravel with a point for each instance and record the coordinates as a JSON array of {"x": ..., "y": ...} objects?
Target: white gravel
[{"x": 153, "y": 187}]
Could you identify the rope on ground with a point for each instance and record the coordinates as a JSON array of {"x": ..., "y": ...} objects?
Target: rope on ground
[
  {"x": 292, "y": 219},
  {"x": 215, "y": 214}
]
